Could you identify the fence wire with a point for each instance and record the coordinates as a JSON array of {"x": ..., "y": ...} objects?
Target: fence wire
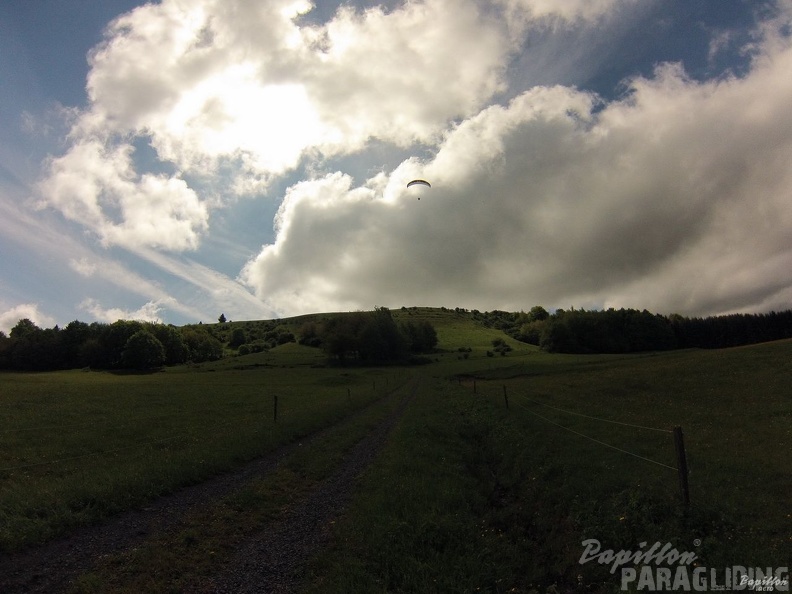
[
  {"x": 607, "y": 445},
  {"x": 569, "y": 412},
  {"x": 613, "y": 447}
]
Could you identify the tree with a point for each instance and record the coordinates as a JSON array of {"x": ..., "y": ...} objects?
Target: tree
[
  {"x": 73, "y": 337},
  {"x": 222, "y": 318},
  {"x": 309, "y": 334},
  {"x": 176, "y": 351},
  {"x": 238, "y": 338},
  {"x": 421, "y": 336},
  {"x": 340, "y": 335},
  {"x": 143, "y": 351},
  {"x": 530, "y": 332},
  {"x": 23, "y": 328},
  {"x": 113, "y": 341},
  {"x": 34, "y": 349},
  {"x": 538, "y": 313},
  {"x": 6, "y": 344},
  {"x": 380, "y": 339},
  {"x": 202, "y": 346}
]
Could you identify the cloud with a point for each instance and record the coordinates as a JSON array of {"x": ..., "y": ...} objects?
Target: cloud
[
  {"x": 234, "y": 96},
  {"x": 210, "y": 80},
  {"x": 10, "y": 317},
  {"x": 227, "y": 89},
  {"x": 83, "y": 266},
  {"x": 567, "y": 12},
  {"x": 149, "y": 312},
  {"x": 675, "y": 198},
  {"x": 47, "y": 240},
  {"x": 227, "y": 295},
  {"x": 96, "y": 185}
]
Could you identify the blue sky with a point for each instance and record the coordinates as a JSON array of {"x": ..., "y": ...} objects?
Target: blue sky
[{"x": 175, "y": 160}]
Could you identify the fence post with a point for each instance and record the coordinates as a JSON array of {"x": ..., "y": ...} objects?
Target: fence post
[
  {"x": 679, "y": 446},
  {"x": 474, "y": 385},
  {"x": 275, "y": 409},
  {"x": 505, "y": 398}
]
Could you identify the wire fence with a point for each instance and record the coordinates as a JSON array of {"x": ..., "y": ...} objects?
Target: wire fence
[
  {"x": 577, "y": 414},
  {"x": 681, "y": 467},
  {"x": 613, "y": 447}
]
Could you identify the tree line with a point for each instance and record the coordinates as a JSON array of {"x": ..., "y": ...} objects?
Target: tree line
[
  {"x": 124, "y": 344},
  {"x": 374, "y": 337},
  {"x": 631, "y": 330},
  {"x": 361, "y": 337},
  {"x": 369, "y": 337}
]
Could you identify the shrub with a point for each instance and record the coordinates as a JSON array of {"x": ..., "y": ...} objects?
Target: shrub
[
  {"x": 143, "y": 351},
  {"x": 238, "y": 338}
]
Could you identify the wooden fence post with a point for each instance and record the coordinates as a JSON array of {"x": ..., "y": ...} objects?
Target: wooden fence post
[
  {"x": 474, "y": 386},
  {"x": 275, "y": 410},
  {"x": 505, "y": 398},
  {"x": 679, "y": 446}
]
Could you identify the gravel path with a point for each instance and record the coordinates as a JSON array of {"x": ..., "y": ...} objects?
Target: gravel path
[
  {"x": 268, "y": 563},
  {"x": 265, "y": 564}
]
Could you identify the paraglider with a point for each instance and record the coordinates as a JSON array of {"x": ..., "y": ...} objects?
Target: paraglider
[{"x": 419, "y": 182}]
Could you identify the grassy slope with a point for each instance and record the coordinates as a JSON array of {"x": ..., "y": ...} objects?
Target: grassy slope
[
  {"x": 474, "y": 497},
  {"x": 76, "y": 446},
  {"x": 183, "y": 555},
  {"x": 503, "y": 496}
]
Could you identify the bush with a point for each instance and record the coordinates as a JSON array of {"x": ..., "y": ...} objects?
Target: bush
[
  {"x": 203, "y": 346},
  {"x": 421, "y": 336},
  {"x": 500, "y": 346},
  {"x": 238, "y": 338},
  {"x": 143, "y": 351}
]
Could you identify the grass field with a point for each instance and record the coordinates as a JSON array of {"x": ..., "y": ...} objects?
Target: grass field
[
  {"x": 78, "y": 446},
  {"x": 474, "y": 497},
  {"x": 469, "y": 495}
]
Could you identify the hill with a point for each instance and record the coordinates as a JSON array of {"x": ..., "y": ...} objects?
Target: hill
[{"x": 500, "y": 467}]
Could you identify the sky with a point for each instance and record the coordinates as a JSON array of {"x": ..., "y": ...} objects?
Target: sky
[{"x": 180, "y": 159}]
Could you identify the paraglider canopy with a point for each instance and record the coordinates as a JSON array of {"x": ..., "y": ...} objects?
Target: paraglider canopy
[{"x": 419, "y": 182}]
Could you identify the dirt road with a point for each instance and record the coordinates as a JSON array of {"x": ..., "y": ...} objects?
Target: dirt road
[{"x": 267, "y": 562}]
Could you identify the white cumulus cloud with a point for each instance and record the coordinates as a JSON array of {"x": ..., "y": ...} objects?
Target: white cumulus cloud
[
  {"x": 96, "y": 185},
  {"x": 11, "y": 316},
  {"x": 245, "y": 91},
  {"x": 676, "y": 198},
  {"x": 148, "y": 312}
]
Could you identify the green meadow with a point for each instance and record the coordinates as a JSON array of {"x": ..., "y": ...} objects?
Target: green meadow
[
  {"x": 499, "y": 469},
  {"x": 77, "y": 447}
]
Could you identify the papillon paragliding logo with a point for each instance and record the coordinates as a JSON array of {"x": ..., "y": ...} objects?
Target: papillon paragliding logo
[{"x": 419, "y": 182}]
